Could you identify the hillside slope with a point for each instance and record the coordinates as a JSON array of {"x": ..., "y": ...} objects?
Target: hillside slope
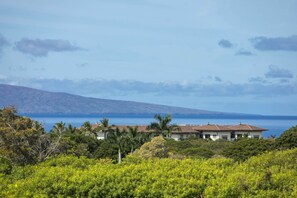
[{"x": 34, "y": 101}]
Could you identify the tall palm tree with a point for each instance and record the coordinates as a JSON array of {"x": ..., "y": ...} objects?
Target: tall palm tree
[
  {"x": 71, "y": 129},
  {"x": 133, "y": 136},
  {"x": 56, "y": 134},
  {"x": 88, "y": 130},
  {"x": 163, "y": 126},
  {"x": 118, "y": 138},
  {"x": 59, "y": 128},
  {"x": 104, "y": 127}
]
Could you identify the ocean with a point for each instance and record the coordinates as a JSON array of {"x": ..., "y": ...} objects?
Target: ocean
[{"x": 275, "y": 125}]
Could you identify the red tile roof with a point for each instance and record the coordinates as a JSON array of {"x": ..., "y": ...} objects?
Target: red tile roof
[{"x": 201, "y": 128}]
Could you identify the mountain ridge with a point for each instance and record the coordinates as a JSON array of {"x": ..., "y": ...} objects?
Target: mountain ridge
[{"x": 34, "y": 101}]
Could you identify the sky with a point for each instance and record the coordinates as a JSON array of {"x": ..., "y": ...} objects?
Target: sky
[{"x": 228, "y": 56}]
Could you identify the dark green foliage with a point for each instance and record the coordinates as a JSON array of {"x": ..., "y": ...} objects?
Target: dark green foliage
[
  {"x": 162, "y": 125},
  {"x": 288, "y": 139},
  {"x": 216, "y": 146},
  {"x": 247, "y": 147},
  {"x": 175, "y": 146},
  {"x": 5, "y": 166},
  {"x": 70, "y": 140},
  {"x": 197, "y": 153},
  {"x": 22, "y": 140},
  {"x": 78, "y": 144},
  {"x": 194, "y": 147},
  {"x": 106, "y": 150},
  {"x": 119, "y": 138}
]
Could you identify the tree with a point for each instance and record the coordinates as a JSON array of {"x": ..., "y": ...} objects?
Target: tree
[
  {"x": 118, "y": 138},
  {"x": 21, "y": 139},
  {"x": 155, "y": 148},
  {"x": 69, "y": 140},
  {"x": 133, "y": 136},
  {"x": 163, "y": 126},
  {"x": 56, "y": 135},
  {"x": 288, "y": 139},
  {"x": 246, "y": 147},
  {"x": 104, "y": 127},
  {"x": 106, "y": 149},
  {"x": 88, "y": 130},
  {"x": 71, "y": 129}
]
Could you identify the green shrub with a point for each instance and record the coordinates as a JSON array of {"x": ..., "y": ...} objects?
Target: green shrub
[
  {"x": 272, "y": 174},
  {"x": 5, "y": 166},
  {"x": 288, "y": 139},
  {"x": 244, "y": 148},
  {"x": 198, "y": 152}
]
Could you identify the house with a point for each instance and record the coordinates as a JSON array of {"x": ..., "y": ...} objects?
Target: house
[
  {"x": 215, "y": 132},
  {"x": 209, "y": 131}
]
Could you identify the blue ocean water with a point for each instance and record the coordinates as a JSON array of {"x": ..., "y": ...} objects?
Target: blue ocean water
[{"x": 275, "y": 125}]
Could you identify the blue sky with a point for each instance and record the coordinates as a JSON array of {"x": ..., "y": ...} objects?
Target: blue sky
[{"x": 231, "y": 56}]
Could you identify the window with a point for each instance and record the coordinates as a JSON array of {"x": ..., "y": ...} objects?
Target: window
[
  {"x": 181, "y": 136},
  {"x": 239, "y": 135},
  {"x": 224, "y": 137},
  {"x": 232, "y": 135},
  {"x": 207, "y": 136},
  {"x": 214, "y": 136},
  {"x": 256, "y": 136}
]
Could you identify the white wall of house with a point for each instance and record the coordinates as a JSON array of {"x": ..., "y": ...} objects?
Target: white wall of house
[
  {"x": 175, "y": 137},
  {"x": 240, "y": 134},
  {"x": 211, "y": 135},
  {"x": 100, "y": 136},
  {"x": 225, "y": 135},
  {"x": 255, "y": 135},
  {"x": 179, "y": 136}
]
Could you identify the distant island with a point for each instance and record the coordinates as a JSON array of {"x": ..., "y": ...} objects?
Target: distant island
[{"x": 34, "y": 101}]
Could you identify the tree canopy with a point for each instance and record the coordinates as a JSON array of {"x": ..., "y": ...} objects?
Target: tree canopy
[
  {"x": 162, "y": 125},
  {"x": 288, "y": 139}
]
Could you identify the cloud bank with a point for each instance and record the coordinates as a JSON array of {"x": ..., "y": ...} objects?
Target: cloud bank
[
  {"x": 225, "y": 43},
  {"x": 41, "y": 48},
  {"x": 243, "y": 52},
  {"x": 276, "y": 72},
  {"x": 275, "y": 44},
  {"x": 3, "y": 42},
  {"x": 255, "y": 87}
]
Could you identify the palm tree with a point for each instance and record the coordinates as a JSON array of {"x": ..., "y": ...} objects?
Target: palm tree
[
  {"x": 70, "y": 129},
  {"x": 163, "y": 126},
  {"x": 103, "y": 126},
  {"x": 118, "y": 138},
  {"x": 56, "y": 134},
  {"x": 59, "y": 128},
  {"x": 134, "y": 137},
  {"x": 88, "y": 130}
]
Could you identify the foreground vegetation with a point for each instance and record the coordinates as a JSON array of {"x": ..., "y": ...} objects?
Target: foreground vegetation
[
  {"x": 72, "y": 162},
  {"x": 272, "y": 174}
]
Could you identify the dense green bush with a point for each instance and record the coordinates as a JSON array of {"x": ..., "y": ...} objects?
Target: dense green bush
[
  {"x": 193, "y": 147},
  {"x": 5, "y": 166},
  {"x": 244, "y": 148},
  {"x": 67, "y": 176},
  {"x": 197, "y": 152},
  {"x": 288, "y": 139}
]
